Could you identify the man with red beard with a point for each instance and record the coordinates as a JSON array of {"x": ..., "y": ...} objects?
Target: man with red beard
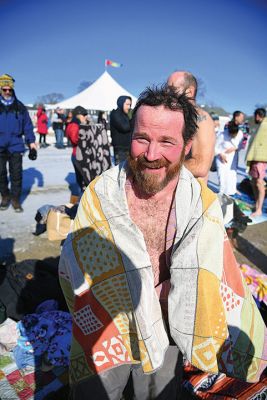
[
  {"x": 143, "y": 269},
  {"x": 160, "y": 142}
]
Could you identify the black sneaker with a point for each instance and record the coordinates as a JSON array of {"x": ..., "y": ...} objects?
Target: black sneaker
[
  {"x": 5, "y": 203},
  {"x": 16, "y": 205}
]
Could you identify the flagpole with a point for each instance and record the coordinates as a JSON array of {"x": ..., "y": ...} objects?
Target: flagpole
[{"x": 105, "y": 65}]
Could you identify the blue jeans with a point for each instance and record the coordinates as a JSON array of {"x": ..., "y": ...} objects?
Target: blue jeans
[
  {"x": 79, "y": 177},
  {"x": 59, "y": 138}
]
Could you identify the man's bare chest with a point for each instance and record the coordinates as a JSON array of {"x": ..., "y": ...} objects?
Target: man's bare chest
[{"x": 151, "y": 219}]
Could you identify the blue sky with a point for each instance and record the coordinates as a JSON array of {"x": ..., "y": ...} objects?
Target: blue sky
[{"x": 52, "y": 46}]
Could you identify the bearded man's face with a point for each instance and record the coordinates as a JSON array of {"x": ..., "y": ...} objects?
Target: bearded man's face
[{"x": 157, "y": 149}]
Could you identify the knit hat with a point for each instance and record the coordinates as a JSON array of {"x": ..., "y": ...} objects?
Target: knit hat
[
  {"x": 79, "y": 110},
  {"x": 7, "y": 80}
]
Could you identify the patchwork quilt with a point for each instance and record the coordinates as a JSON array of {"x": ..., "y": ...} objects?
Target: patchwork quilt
[
  {"x": 107, "y": 279},
  {"x": 28, "y": 384}
]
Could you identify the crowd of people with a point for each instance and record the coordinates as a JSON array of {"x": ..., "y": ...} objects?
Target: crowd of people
[
  {"x": 147, "y": 270},
  {"x": 235, "y": 136}
]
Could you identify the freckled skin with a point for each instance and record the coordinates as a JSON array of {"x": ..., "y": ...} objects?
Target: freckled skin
[{"x": 158, "y": 135}]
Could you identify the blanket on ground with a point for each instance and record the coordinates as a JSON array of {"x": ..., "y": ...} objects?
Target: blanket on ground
[
  {"x": 220, "y": 387},
  {"x": 107, "y": 278},
  {"x": 29, "y": 383}
]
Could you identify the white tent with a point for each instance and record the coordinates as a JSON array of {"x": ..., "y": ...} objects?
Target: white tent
[{"x": 101, "y": 95}]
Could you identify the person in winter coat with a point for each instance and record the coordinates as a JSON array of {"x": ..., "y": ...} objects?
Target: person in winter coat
[
  {"x": 42, "y": 121},
  {"x": 58, "y": 120},
  {"x": 120, "y": 127},
  {"x": 16, "y": 129},
  {"x": 102, "y": 119},
  {"x": 72, "y": 132},
  {"x": 67, "y": 122}
]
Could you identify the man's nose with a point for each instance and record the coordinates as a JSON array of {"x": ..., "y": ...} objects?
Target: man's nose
[{"x": 152, "y": 152}]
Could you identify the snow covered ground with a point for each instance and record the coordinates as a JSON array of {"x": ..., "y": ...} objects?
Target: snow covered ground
[{"x": 48, "y": 180}]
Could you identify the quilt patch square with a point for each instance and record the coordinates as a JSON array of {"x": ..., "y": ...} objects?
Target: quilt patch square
[
  {"x": 13, "y": 377},
  {"x": 26, "y": 394},
  {"x": 87, "y": 321}
]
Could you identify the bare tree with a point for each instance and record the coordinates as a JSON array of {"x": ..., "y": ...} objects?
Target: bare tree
[
  {"x": 261, "y": 105},
  {"x": 201, "y": 91},
  {"x": 83, "y": 85},
  {"x": 50, "y": 98}
]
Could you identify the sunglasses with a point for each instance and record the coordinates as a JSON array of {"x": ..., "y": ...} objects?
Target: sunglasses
[{"x": 7, "y": 90}]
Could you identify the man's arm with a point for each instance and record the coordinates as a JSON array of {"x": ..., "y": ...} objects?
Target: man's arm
[
  {"x": 28, "y": 131},
  {"x": 203, "y": 145},
  {"x": 73, "y": 133}
]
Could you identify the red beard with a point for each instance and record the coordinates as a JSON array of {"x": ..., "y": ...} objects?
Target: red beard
[{"x": 151, "y": 183}]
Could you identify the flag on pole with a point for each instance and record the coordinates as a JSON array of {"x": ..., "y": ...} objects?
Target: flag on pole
[{"x": 112, "y": 64}]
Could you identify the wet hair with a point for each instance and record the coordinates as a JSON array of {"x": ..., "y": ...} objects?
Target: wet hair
[
  {"x": 168, "y": 97},
  {"x": 261, "y": 112},
  {"x": 233, "y": 129}
]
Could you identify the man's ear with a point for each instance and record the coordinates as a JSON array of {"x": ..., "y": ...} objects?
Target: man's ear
[
  {"x": 190, "y": 92},
  {"x": 188, "y": 147}
]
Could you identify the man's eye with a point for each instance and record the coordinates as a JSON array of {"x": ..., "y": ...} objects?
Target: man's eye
[
  {"x": 166, "y": 142},
  {"x": 141, "y": 140}
]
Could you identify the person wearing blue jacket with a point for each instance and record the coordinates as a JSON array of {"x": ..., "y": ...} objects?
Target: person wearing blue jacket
[{"x": 16, "y": 130}]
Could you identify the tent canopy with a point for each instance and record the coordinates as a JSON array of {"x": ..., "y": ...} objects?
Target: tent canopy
[{"x": 101, "y": 95}]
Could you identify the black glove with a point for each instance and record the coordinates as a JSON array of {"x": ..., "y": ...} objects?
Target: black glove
[{"x": 32, "y": 154}]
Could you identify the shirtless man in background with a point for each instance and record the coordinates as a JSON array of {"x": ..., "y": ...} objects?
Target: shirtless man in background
[{"x": 202, "y": 152}]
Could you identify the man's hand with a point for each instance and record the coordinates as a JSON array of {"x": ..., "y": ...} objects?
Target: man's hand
[
  {"x": 223, "y": 158},
  {"x": 33, "y": 146},
  {"x": 228, "y": 151}
]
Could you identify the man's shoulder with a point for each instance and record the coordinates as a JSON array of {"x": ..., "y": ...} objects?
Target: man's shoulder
[
  {"x": 20, "y": 105},
  {"x": 73, "y": 123},
  {"x": 205, "y": 128},
  {"x": 263, "y": 123},
  {"x": 112, "y": 115},
  {"x": 112, "y": 176},
  {"x": 21, "y": 108},
  {"x": 203, "y": 115},
  {"x": 113, "y": 112}
]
